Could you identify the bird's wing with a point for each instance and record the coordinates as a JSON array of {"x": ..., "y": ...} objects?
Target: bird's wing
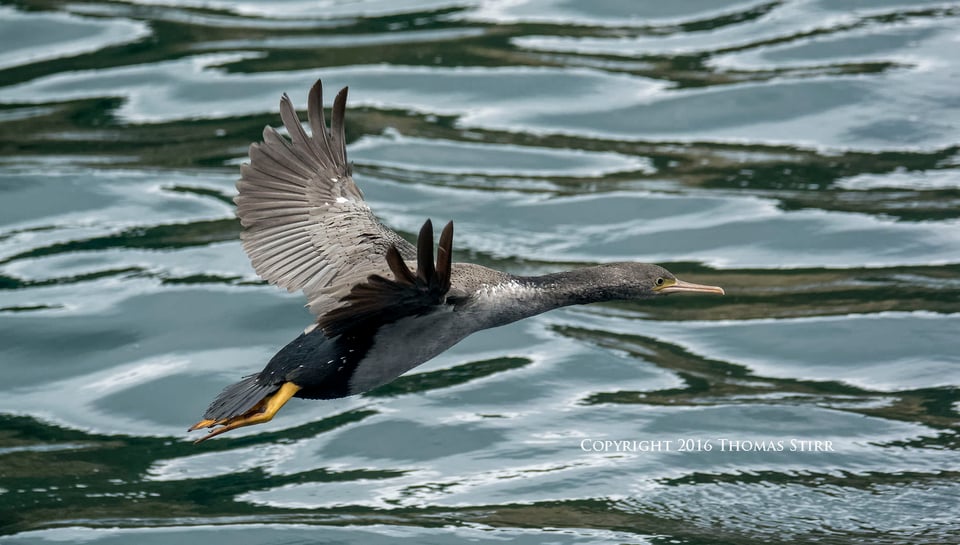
[
  {"x": 380, "y": 300},
  {"x": 306, "y": 225}
]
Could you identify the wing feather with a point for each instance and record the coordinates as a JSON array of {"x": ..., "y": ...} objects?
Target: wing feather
[
  {"x": 306, "y": 225},
  {"x": 378, "y": 300}
]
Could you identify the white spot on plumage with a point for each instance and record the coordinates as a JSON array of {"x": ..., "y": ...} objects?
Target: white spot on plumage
[
  {"x": 505, "y": 290},
  {"x": 498, "y": 297}
]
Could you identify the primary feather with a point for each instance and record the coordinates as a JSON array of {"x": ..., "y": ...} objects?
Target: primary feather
[{"x": 306, "y": 225}]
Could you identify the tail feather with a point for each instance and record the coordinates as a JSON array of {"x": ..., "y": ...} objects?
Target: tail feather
[{"x": 239, "y": 398}]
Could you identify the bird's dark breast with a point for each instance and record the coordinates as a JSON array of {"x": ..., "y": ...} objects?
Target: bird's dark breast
[{"x": 321, "y": 366}]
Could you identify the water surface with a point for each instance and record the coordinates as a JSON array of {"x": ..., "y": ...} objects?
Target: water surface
[{"x": 802, "y": 154}]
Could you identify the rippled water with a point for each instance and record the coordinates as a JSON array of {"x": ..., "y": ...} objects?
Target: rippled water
[{"x": 802, "y": 154}]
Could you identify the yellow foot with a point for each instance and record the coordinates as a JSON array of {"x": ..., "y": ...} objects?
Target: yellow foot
[{"x": 262, "y": 412}]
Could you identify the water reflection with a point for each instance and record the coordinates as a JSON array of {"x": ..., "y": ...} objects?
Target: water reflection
[{"x": 801, "y": 154}]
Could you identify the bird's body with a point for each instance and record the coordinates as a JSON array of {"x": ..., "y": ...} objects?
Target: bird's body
[{"x": 383, "y": 305}]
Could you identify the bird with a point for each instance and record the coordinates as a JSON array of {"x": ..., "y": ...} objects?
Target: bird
[{"x": 382, "y": 304}]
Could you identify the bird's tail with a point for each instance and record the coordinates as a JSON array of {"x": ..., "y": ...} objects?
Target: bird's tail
[{"x": 239, "y": 398}]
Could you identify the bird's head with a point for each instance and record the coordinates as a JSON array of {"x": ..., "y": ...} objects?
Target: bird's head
[{"x": 643, "y": 280}]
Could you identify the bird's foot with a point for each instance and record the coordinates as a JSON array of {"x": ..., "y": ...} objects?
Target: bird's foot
[{"x": 260, "y": 413}]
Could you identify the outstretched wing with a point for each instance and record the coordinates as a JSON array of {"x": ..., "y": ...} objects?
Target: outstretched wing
[
  {"x": 306, "y": 225},
  {"x": 379, "y": 301}
]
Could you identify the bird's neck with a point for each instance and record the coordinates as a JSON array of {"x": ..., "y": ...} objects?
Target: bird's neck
[{"x": 523, "y": 296}]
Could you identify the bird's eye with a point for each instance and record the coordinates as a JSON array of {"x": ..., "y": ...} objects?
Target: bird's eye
[{"x": 660, "y": 281}]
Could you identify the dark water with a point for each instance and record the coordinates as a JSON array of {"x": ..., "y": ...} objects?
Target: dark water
[{"x": 802, "y": 154}]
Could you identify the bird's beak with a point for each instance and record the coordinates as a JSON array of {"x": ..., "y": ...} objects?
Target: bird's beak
[{"x": 679, "y": 286}]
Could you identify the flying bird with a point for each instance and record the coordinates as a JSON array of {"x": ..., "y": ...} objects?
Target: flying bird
[{"x": 383, "y": 305}]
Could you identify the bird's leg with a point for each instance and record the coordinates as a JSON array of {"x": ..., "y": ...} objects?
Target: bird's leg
[{"x": 262, "y": 412}]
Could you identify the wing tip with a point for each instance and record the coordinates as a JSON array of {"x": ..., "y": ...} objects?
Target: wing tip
[{"x": 288, "y": 186}]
